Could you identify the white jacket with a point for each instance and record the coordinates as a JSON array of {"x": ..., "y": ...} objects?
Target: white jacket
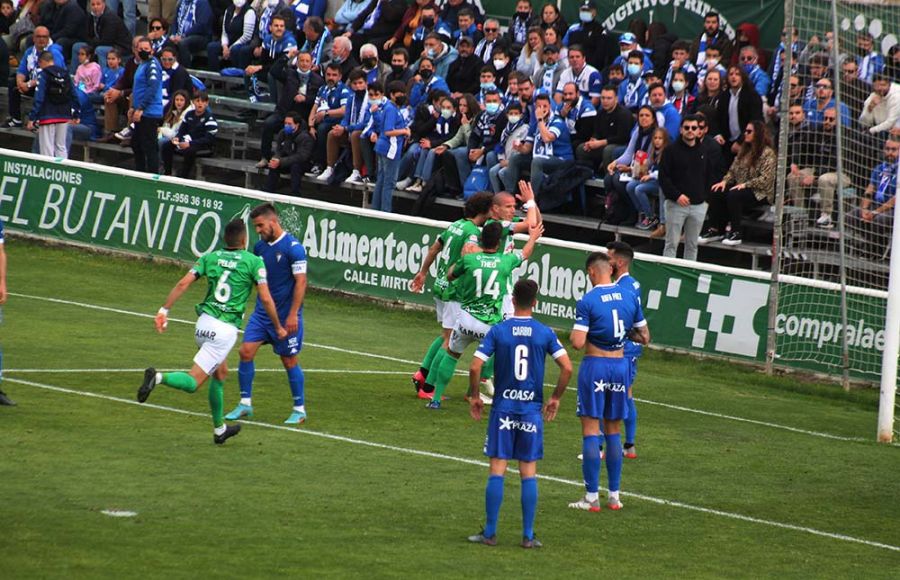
[{"x": 884, "y": 115}]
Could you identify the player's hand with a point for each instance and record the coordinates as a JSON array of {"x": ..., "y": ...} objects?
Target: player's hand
[
  {"x": 551, "y": 409},
  {"x": 476, "y": 406},
  {"x": 418, "y": 282},
  {"x": 162, "y": 321},
  {"x": 536, "y": 231},
  {"x": 526, "y": 193},
  {"x": 291, "y": 325},
  {"x": 281, "y": 332}
]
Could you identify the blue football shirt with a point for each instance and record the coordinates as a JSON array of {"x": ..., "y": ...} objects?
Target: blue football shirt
[
  {"x": 627, "y": 283},
  {"x": 607, "y": 313},
  {"x": 283, "y": 258},
  {"x": 519, "y": 346}
]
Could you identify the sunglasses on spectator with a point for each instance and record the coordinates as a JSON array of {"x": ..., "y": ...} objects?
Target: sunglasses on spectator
[
  {"x": 156, "y": 28},
  {"x": 691, "y": 128},
  {"x": 491, "y": 29},
  {"x": 746, "y": 59},
  {"x": 823, "y": 86}
]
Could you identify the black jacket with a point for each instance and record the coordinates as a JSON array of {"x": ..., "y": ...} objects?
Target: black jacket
[
  {"x": 614, "y": 126},
  {"x": 109, "y": 30},
  {"x": 814, "y": 148},
  {"x": 463, "y": 75},
  {"x": 684, "y": 170},
  {"x": 294, "y": 148},
  {"x": 64, "y": 21},
  {"x": 389, "y": 19},
  {"x": 286, "y": 102},
  {"x": 601, "y": 47},
  {"x": 749, "y": 109}
]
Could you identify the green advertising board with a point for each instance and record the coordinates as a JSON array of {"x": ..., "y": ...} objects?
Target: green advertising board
[{"x": 693, "y": 307}]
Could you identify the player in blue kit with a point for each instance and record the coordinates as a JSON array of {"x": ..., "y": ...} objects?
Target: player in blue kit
[
  {"x": 519, "y": 346},
  {"x": 621, "y": 255},
  {"x": 604, "y": 317},
  {"x": 285, "y": 260}
]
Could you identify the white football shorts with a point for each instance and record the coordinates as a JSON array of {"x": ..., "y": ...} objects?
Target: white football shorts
[
  {"x": 446, "y": 313},
  {"x": 467, "y": 330},
  {"x": 215, "y": 340}
]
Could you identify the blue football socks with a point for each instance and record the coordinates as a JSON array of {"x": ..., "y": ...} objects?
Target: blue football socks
[
  {"x": 590, "y": 465},
  {"x": 529, "y": 506},
  {"x": 631, "y": 423},
  {"x": 614, "y": 461},
  {"x": 493, "y": 499},
  {"x": 246, "y": 371},
  {"x": 296, "y": 381}
]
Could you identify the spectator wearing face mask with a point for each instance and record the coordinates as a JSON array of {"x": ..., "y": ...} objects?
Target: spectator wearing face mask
[
  {"x": 293, "y": 149},
  {"x": 400, "y": 69},
  {"x": 598, "y": 43},
  {"x": 439, "y": 52},
  {"x": 424, "y": 82},
  {"x": 392, "y": 134}
]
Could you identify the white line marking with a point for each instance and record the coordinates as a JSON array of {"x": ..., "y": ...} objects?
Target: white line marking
[
  {"x": 417, "y": 363},
  {"x": 183, "y": 321},
  {"x": 316, "y": 371},
  {"x": 482, "y": 464},
  {"x": 119, "y": 513}
]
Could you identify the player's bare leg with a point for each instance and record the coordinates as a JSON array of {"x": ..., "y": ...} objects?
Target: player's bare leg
[
  {"x": 612, "y": 428},
  {"x": 590, "y": 466}
]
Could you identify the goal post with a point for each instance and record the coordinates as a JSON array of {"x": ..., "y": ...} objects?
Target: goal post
[{"x": 887, "y": 400}]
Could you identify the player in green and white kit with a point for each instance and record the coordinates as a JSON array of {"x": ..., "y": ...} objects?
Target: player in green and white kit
[
  {"x": 482, "y": 278},
  {"x": 461, "y": 237},
  {"x": 231, "y": 274}
]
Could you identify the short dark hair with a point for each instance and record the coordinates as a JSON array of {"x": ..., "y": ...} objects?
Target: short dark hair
[
  {"x": 695, "y": 117},
  {"x": 616, "y": 67},
  {"x": 46, "y": 56},
  {"x": 514, "y": 106},
  {"x": 376, "y": 86},
  {"x": 711, "y": 14},
  {"x": 402, "y": 52},
  {"x": 267, "y": 208},
  {"x": 577, "y": 47},
  {"x": 636, "y": 54},
  {"x": 881, "y": 77},
  {"x": 437, "y": 95},
  {"x": 333, "y": 66},
  {"x": 396, "y": 87},
  {"x": 542, "y": 97},
  {"x": 654, "y": 86},
  {"x": 491, "y": 92},
  {"x": 595, "y": 257},
  {"x": 609, "y": 89},
  {"x": 488, "y": 68},
  {"x": 525, "y": 293},
  {"x": 235, "y": 230},
  {"x": 200, "y": 96},
  {"x": 355, "y": 75},
  {"x": 478, "y": 204},
  {"x": 466, "y": 12},
  {"x": 519, "y": 76},
  {"x": 681, "y": 45},
  {"x": 171, "y": 50},
  {"x": 622, "y": 249},
  {"x": 294, "y": 115},
  {"x": 490, "y": 235}
]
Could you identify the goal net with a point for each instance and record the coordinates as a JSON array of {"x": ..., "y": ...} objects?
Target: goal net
[{"x": 839, "y": 149}]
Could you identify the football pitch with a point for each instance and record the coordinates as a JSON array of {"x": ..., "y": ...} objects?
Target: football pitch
[{"x": 738, "y": 474}]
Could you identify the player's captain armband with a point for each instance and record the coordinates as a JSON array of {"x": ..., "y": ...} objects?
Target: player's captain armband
[{"x": 298, "y": 267}]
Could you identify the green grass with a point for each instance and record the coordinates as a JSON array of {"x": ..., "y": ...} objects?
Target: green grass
[{"x": 285, "y": 502}]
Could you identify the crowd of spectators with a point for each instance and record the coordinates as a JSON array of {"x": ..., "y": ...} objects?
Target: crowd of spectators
[{"x": 427, "y": 96}]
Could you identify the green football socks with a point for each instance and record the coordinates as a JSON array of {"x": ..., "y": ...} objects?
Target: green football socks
[
  {"x": 181, "y": 381},
  {"x": 445, "y": 371},
  {"x": 217, "y": 402},
  {"x": 432, "y": 352}
]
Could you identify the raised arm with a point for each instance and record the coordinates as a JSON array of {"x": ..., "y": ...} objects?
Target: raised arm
[{"x": 418, "y": 281}]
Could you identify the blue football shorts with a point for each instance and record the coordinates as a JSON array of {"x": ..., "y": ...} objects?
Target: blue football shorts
[{"x": 603, "y": 388}]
